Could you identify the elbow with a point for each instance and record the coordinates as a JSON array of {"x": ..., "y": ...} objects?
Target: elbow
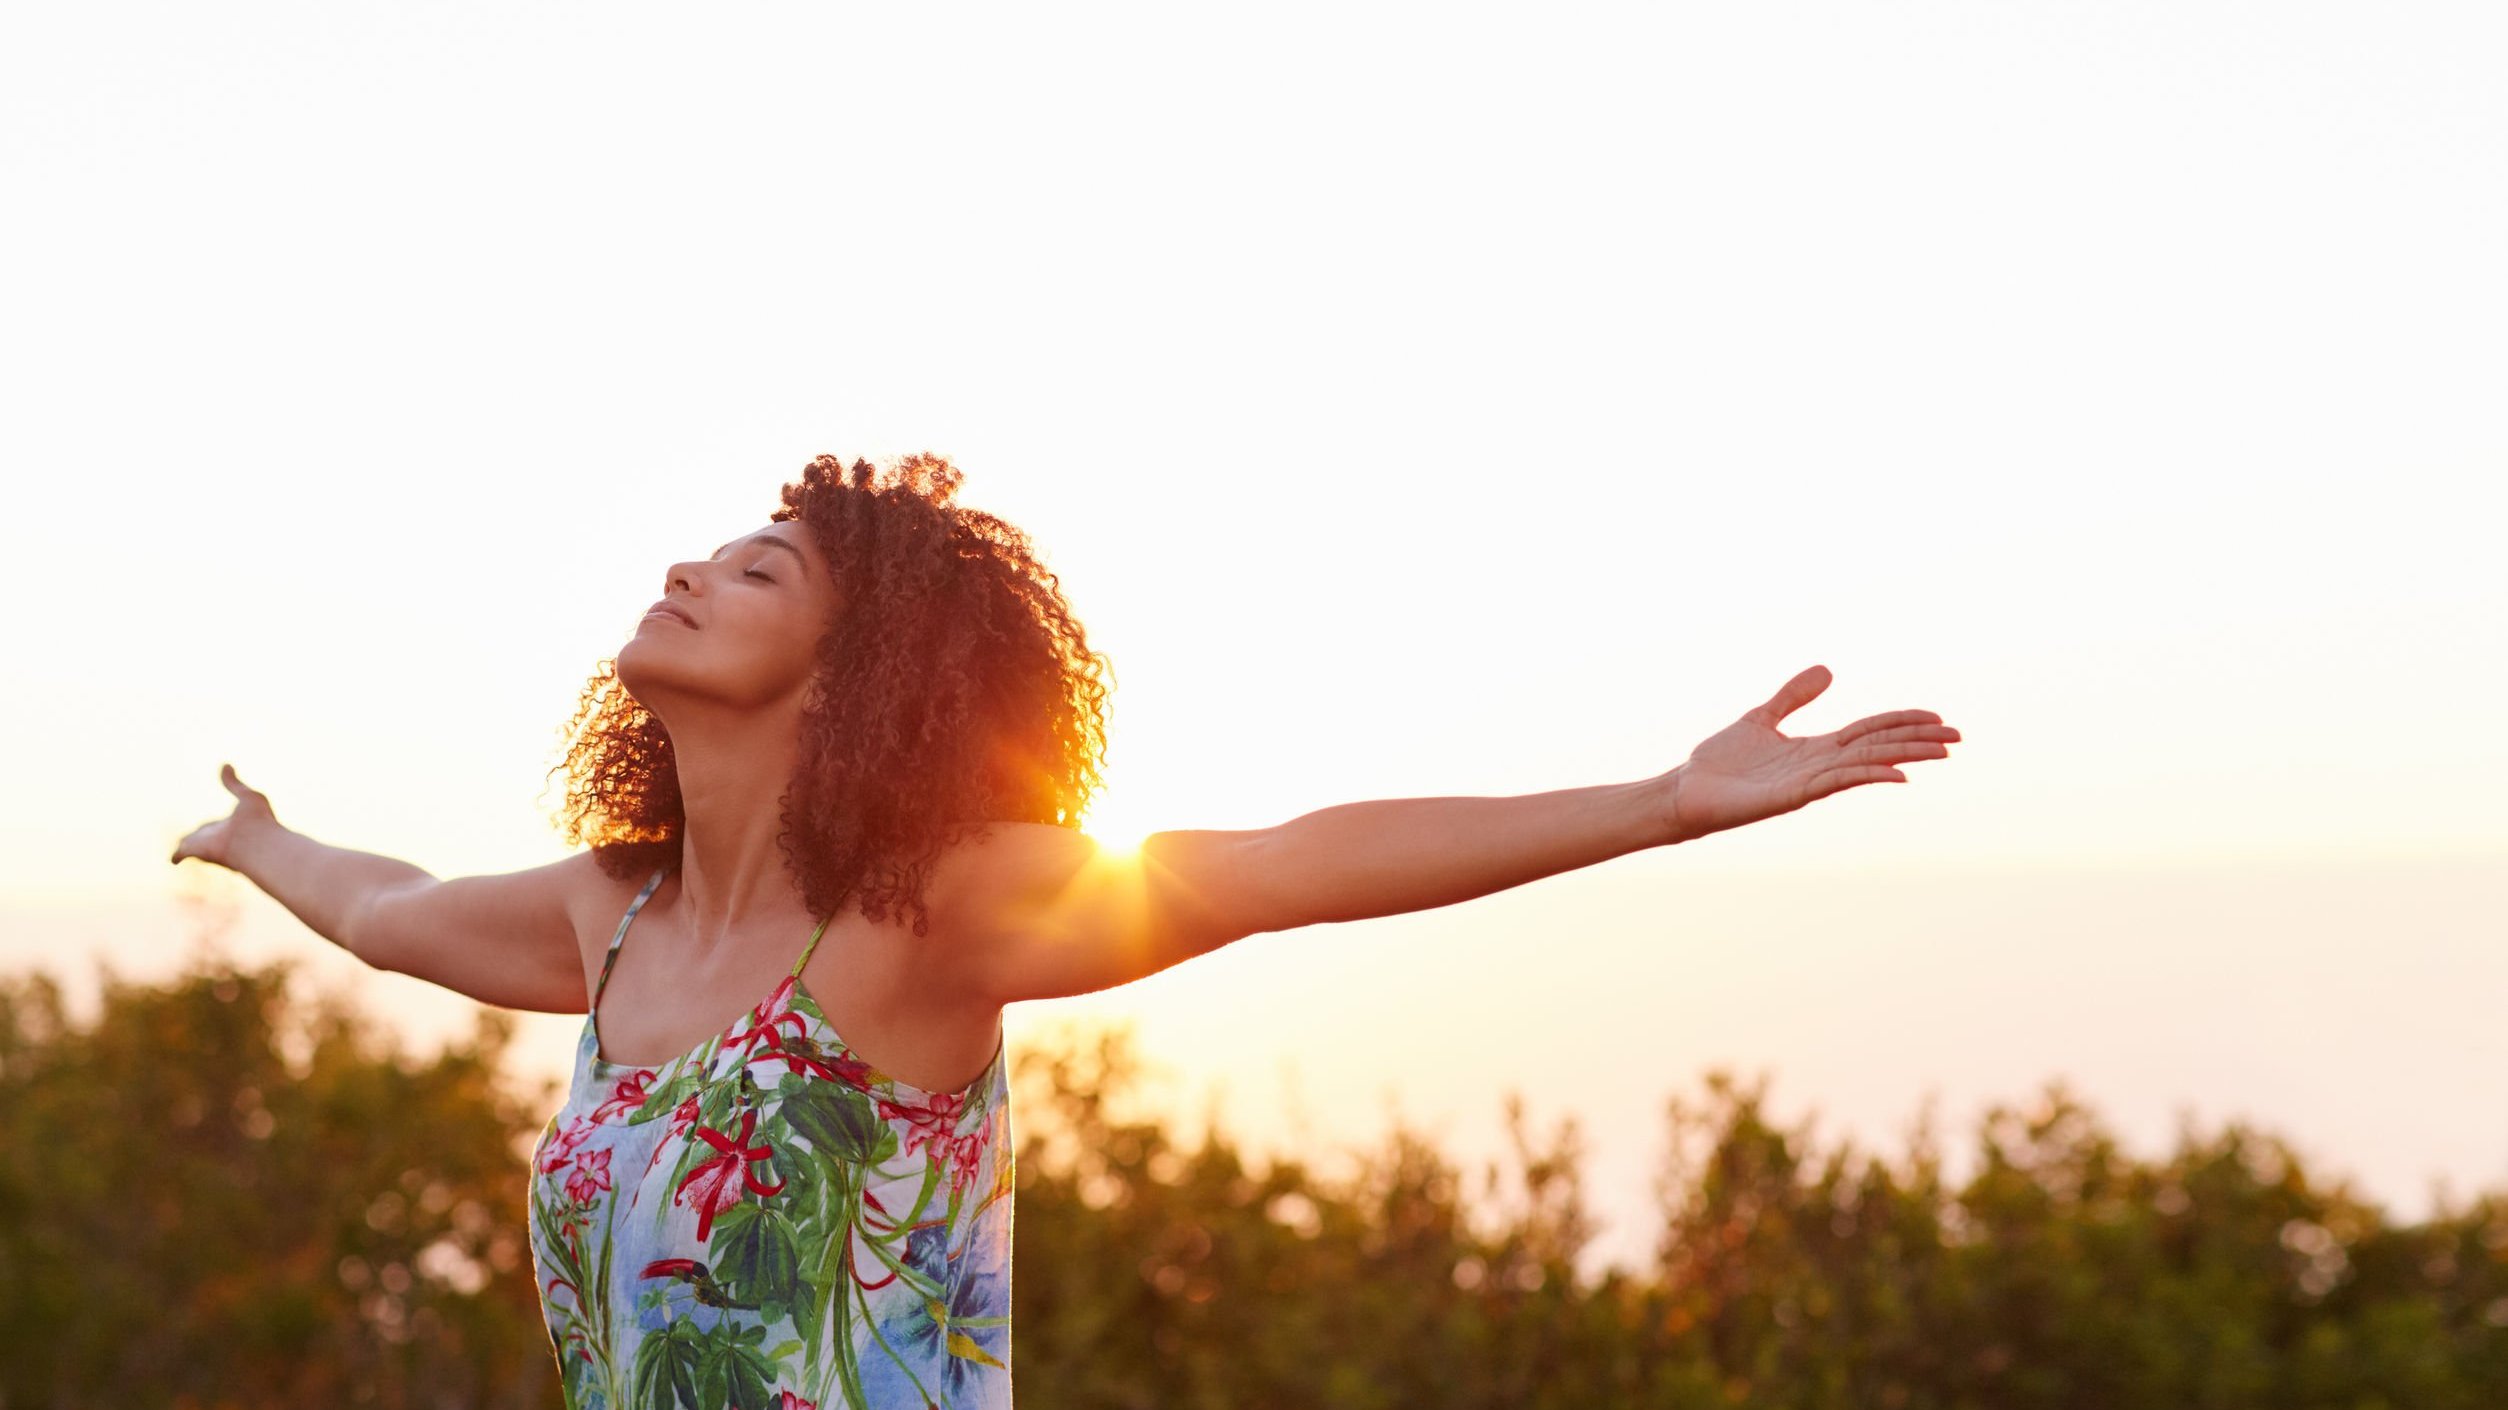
[
  {"x": 366, "y": 930},
  {"x": 1217, "y": 888}
]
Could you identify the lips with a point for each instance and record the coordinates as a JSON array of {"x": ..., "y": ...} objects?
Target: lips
[{"x": 672, "y": 610}]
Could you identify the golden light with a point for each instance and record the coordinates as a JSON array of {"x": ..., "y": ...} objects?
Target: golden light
[{"x": 1113, "y": 828}]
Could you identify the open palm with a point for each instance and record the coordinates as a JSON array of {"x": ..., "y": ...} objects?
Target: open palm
[
  {"x": 1748, "y": 771},
  {"x": 214, "y": 840}
]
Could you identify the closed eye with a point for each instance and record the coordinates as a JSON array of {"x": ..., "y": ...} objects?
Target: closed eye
[{"x": 754, "y": 573}]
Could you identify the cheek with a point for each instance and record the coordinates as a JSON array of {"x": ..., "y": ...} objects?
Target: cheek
[
  {"x": 772, "y": 656},
  {"x": 740, "y": 660}
]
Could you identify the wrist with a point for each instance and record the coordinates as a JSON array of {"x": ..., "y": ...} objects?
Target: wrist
[
  {"x": 1665, "y": 807},
  {"x": 251, "y": 844}
]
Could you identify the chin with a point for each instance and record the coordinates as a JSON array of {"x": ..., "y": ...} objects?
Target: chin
[
  {"x": 654, "y": 675},
  {"x": 636, "y": 669}
]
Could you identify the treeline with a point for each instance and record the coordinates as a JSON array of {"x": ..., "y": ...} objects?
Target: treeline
[{"x": 213, "y": 1195}]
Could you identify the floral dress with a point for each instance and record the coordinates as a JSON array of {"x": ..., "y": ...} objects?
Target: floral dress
[{"x": 768, "y": 1221}]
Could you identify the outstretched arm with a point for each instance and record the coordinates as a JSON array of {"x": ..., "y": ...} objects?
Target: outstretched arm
[
  {"x": 1037, "y": 911},
  {"x": 507, "y": 939}
]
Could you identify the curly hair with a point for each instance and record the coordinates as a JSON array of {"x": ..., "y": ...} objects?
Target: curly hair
[{"x": 953, "y": 688}]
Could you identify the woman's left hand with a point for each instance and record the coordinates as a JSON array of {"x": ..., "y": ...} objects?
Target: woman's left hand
[{"x": 1749, "y": 771}]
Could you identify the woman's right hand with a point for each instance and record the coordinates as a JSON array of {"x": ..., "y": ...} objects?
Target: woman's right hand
[{"x": 215, "y": 841}]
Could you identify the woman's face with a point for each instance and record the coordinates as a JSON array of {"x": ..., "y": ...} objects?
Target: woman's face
[{"x": 739, "y": 629}]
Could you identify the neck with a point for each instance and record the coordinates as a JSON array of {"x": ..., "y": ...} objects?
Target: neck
[{"x": 732, "y": 781}]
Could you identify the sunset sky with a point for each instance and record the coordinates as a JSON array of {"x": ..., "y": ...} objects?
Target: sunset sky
[{"x": 1412, "y": 402}]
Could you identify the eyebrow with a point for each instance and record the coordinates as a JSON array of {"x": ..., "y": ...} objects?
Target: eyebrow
[{"x": 777, "y": 542}]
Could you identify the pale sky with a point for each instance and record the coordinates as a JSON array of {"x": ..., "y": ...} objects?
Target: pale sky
[{"x": 1413, "y": 402}]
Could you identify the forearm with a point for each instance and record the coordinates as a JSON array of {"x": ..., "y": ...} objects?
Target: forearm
[
  {"x": 1390, "y": 856},
  {"x": 326, "y": 887}
]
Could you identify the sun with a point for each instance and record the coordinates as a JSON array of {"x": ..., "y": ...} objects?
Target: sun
[{"x": 1113, "y": 829}]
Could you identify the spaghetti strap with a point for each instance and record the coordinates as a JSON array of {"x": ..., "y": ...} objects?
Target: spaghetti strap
[
  {"x": 623, "y": 922},
  {"x": 806, "y": 949}
]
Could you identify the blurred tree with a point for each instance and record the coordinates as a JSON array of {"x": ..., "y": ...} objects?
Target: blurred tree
[
  {"x": 188, "y": 1218},
  {"x": 212, "y": 1195}
]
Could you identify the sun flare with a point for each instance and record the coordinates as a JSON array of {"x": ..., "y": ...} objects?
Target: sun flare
[{"x": 1113, "y": 830}]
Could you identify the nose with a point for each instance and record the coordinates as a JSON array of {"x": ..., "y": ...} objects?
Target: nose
[{"x": 681, "y": 576}]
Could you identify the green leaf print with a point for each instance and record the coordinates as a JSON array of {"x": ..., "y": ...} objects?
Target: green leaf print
[
  {"x": 661, "y": 1101},
  {"x": 756, "y": 1258},
  {"x": 826, "y": 1318},
  {"x": 681, "y": 1368},
  {"x": 712, "y": 1379},
  {"x": 586, "y": 1315},
  {"x": 750, "y": 1375},
  {"x": 666, "y": 1368},
  {"x": 837, "y": 1121},
  {"x": 550, "y": 1216}
]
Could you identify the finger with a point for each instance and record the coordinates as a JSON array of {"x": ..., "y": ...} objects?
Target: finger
[
  {"x": 1901, "y": 753},
  {"x": 1902, "y": 734},
  {"x": 1792, "y": 696},
  {"x": 1838, "y": 780},
  {"x": 1896, "y": 719},
  {"x": 234, "y": 785}
]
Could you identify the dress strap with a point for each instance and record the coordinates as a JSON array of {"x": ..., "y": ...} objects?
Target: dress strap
[
  {"x": 623, "y": 922},
  {"x": 814, "y": 944}
]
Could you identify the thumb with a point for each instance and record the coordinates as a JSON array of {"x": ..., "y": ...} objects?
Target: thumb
[{"x": 1792, "y": 696}]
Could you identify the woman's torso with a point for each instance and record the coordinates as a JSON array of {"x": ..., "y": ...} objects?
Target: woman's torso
[{"x": 768, "y": 1215}]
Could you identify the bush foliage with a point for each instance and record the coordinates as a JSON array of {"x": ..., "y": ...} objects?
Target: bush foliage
[{"x": 215, "y": 1195}]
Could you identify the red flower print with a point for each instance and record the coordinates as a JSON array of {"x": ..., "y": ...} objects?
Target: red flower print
[
  {"x": 771, "y": 1015},
  {"x": 798, "y": 1053},
  {"x": 682, "y": 1117},
  {"x": 933, "y": 1127},
  {"x": 628, "y": 1095},
  {"x": 934, "y": 1117},
  {"x": 853, "y": 1071},
  {"x": 786, "y": 1400},
  {"x": 961, "y": 1152},
  {"x": 592, "y": 1174},
  {"x": 562, "y": 1149},
  {"x": 715, "y": 1184},
  {"x": 803, "y": 1055},
  {"x": 671, "y": 1268}
]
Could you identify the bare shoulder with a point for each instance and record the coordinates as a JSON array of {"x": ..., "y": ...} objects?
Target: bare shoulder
[
  {"x": 588, "y": 885},
  {"x": 514, "y": 939},
  {"x": 590, "y": 899},
  {"x": 986, "y": 884},
  {"x": 1041, "y": 911},
  {"x": 996, "y": 867},
  {"x": 595, "y": 902}
]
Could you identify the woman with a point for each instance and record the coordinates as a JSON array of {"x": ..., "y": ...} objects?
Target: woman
[{"x": 874, "y": 723}]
